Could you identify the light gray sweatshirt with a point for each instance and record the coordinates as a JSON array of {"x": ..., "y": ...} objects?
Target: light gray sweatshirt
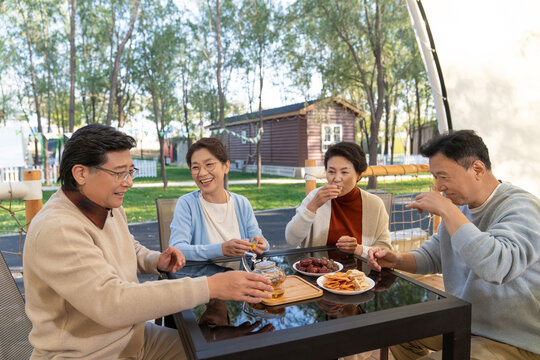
[{"x": 494, "y": 263}]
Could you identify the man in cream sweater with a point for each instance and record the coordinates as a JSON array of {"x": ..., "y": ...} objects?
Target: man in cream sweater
[
  {"x": 487, "y": 247},
  {"x": 81, "y": 264}
]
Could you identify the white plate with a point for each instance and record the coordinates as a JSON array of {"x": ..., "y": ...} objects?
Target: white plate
[
  {"x": 340, "y": 266},
  {"x": 322, "y": 280}
]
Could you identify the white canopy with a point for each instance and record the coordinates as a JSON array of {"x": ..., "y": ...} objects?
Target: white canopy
[{"x": 489, "y": 52}]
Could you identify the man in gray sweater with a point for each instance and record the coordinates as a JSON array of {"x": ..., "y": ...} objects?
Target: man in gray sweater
[{"x": 487, "y": 248}]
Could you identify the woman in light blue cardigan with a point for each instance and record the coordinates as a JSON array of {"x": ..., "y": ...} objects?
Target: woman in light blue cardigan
[{"x": 213, "y": 222}]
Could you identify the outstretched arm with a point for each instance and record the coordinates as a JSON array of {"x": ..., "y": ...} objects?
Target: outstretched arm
[{"x": 381, "y": 257}]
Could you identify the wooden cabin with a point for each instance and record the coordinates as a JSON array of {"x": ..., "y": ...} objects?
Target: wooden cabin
[{"x": 292, "y": 134}]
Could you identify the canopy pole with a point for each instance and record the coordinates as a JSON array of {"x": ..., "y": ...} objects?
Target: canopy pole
[{"x": 431, "y": 63}]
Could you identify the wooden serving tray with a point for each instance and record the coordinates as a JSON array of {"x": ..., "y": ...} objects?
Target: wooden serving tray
[{"x": 296, "y": 289}]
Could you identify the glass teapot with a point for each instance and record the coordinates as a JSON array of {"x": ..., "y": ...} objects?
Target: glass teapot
[{"x": 269, "y": 269}]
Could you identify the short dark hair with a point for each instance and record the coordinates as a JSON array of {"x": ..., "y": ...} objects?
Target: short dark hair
[
  {"x": 212, "y": 144},
  {"x": 350, "y": 151},
  {"x": 462, "y": 146},
  {"x": 89, "y": 146}
]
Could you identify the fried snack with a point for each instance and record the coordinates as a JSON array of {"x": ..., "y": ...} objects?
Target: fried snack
[
  {"x": 360, "y": 285},
  {"x": 339, "y": 281},
  {"x": 353, "y": 280},
  {"x": 355, "y": 274}
]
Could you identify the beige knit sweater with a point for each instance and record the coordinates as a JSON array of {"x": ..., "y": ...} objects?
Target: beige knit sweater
[
  {"x": 311, "y": 229},
  {"x": 82, "y": 292}
]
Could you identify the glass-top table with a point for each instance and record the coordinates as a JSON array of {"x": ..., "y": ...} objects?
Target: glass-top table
[{"x": 396, "y": 310}]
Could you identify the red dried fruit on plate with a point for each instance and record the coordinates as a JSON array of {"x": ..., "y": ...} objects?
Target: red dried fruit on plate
[
  {"x": 324, "y": 262},
  {"x": 324, "y": 270},
  {"x": 309, "y": 268},
  {"x": 301, "y": 268},
  {"x": 305, "y": 262},
  {"x": 332, "y": 265},
  {"x": 317, "y": 262},
  {"x": 315, "y": 269}
]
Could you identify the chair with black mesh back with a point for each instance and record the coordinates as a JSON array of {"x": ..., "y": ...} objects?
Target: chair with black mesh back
[
  {"x": 14, "y": 324},
  {"x": 165, "y": 211}
]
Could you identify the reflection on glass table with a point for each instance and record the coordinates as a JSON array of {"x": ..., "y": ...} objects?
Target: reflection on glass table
[
  {"x": 215, "y": 323},
  {"x": 397, "y": 309},
  {"x": 389, "y": 292}
]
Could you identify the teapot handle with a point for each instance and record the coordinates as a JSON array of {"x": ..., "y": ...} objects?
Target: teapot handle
[{"x": 245, "y": 260}]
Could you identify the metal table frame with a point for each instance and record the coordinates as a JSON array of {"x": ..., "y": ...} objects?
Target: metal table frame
[{"x": 448, "y": 316}]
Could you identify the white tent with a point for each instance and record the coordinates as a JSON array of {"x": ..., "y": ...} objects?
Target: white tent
[
  {"x": 13, "y": 152},
  {"x": 489, "y": 54}
]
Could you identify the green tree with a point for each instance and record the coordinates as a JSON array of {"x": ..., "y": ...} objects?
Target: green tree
[
  {"x": 219, "y": 28},
  {"x": 127, "y": 89},
  {"x": 94, "y": 56},
  {"x": 195, "y": 82},
  {"x": 353, "y": 45},
  {"x": 72, "y": 63},
  {"x": 6, "y": 94},
  {"x": 34, "y": 24},
  {"x": 258, "y": 36},
  {"x": 203, "y": 99},
  {"x": 158, "y": 68},
  {"x": 119, "y": 50}
]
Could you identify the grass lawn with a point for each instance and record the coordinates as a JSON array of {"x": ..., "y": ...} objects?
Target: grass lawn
[
  {"x": 139, "y": 203},
  {"x": 183, "y": 174}
]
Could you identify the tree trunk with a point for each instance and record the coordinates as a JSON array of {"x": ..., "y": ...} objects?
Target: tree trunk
[
  {"x": 63, "y": 120},
  {"x": 36, "y": 97},
  {"x": 159, "y": 120},
  {"x": 386, "y": 122},
  {"x": 85, "y": 88},
  {"x": 259, "y": 155},
  {"x": 36, "y": 151},
  {"x": 185, "y": 101},
  {"x": 120, "y": 49},
  {"x": 120, "y": 109},
  {"x": 72, "y": 64},
  {"x": 221, "y": 96},
  {"x": 163, "y": 171},
  {"x": 219, "y": 65},
  {"x": 46, "y": 60},
  {"x": 33, "y": 74},
  {"x": 376, "y": 120},
  {"x": 394, "y": 123},
  {"x": 46, "y": 162},
  {"x": 93, "y": 108}
]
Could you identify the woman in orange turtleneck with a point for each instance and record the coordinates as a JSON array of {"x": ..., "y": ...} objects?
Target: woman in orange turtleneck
[{"x": 340, "y": 213}]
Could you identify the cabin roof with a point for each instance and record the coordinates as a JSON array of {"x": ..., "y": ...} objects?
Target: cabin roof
[{"x": 283, "y": 111}]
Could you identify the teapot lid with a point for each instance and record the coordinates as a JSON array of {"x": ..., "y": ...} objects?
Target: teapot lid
[{"x": 265, "y": 264}]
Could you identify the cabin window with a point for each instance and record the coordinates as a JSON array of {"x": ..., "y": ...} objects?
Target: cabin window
[
  {"x": 244, "y": 137},
  {"x": 331, "y": 134}
]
